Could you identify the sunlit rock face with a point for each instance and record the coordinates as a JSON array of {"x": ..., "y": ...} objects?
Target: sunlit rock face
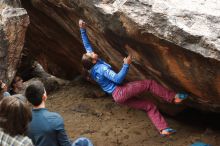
[
  {"x": 174, "y": 42},
  {"x": 13, "y": 24}
]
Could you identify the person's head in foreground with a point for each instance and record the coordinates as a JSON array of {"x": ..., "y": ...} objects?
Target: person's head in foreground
[
  {"x": 15, "y": 114},
  {"x": 36, "y": 94}
]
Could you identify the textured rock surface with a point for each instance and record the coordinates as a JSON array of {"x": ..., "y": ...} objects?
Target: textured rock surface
[
  {"x": 193, "y": 25},
  {"x": 173, "y": 42},
  {"x": 13, "y": 24}
]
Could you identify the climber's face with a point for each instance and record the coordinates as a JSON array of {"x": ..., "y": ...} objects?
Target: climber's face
[{"x": 94, "y": 56}]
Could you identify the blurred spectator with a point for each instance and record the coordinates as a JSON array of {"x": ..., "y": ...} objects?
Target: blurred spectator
[
  {"x": 15, "y": 114},
  {"x": 17, "y": 86},
  {"x": 4, "y": 89}
]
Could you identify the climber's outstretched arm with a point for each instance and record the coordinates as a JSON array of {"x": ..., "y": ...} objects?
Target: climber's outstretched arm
[{"x": 84, "y": 36}]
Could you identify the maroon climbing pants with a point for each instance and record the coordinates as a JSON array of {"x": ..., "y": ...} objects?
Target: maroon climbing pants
[{"x": 126, "y": 93}]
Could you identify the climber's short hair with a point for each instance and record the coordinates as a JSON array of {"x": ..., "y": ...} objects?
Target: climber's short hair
[{"x": 87, "y": 61}]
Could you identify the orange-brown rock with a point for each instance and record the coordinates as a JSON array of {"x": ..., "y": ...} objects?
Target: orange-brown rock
[{"x": 173, "y": 42}]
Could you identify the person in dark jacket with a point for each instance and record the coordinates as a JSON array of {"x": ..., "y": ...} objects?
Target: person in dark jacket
[
  {"x": 47, "y": 128},
  {"x": 111, "y": 82}
]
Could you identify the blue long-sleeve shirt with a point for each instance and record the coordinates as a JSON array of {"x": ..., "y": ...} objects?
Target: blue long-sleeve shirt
[
  {"x": 102, "y": 72},
  {"x": 85, "y": 40},
  {"x": 47, "y": 129}
]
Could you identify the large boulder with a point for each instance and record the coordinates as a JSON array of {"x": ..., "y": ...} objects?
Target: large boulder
[
  {"x": 174, "y": 42},
  {"x": 13, "y": 24}
]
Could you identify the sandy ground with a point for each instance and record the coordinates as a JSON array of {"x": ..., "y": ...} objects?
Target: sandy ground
[{"x": 90, "y": 113}]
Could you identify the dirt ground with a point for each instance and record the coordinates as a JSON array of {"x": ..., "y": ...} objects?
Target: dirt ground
[{"x": 89, "y": 112}]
